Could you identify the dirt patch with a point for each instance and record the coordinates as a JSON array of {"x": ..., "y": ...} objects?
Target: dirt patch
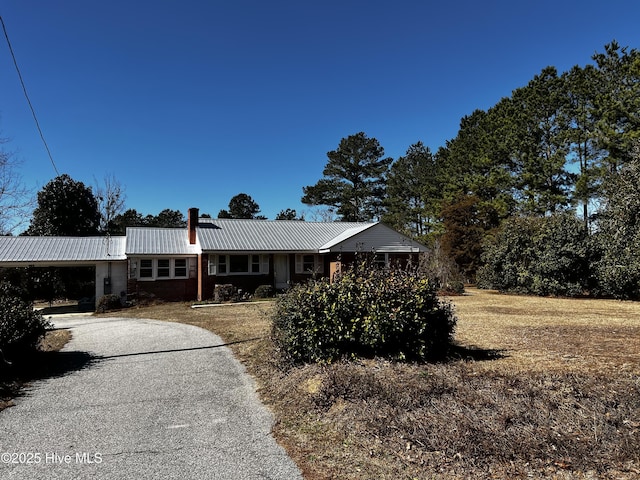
[{"x": 54, "y": 340}]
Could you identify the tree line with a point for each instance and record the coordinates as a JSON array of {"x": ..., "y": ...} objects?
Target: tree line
[{"x": 558, "y": 146}]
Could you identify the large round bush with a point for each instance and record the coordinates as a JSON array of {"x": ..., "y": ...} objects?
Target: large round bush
[{"x": 365, "y": 312}]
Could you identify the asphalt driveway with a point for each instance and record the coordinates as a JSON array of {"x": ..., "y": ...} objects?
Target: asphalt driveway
[{"x": 152, "y": 400}]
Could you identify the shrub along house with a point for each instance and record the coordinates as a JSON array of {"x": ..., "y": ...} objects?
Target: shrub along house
[{"x": 187, "y": 263}]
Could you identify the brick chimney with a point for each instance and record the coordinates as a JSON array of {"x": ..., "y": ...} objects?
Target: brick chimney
[{"x": 192, "y": 223}]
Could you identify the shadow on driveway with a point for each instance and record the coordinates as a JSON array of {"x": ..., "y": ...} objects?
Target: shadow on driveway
[
  {"x": 176, "y": 349},
  {"x": 38, "y": 366}
]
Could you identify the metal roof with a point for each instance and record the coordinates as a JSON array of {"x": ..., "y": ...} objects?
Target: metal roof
[
  {"x": 213, "y": 235},
  {"x": 272, "y": 235},
  {"x": 346, "y": 235},
  {"x": 33, "y": 250},
  {"x": 159, "y": 241}
]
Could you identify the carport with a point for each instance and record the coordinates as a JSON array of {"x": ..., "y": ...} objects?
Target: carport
[{"x": 106, "y": 254}]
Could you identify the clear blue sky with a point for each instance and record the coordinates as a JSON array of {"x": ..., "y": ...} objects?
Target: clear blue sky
[{"x": 189, "y": 103}]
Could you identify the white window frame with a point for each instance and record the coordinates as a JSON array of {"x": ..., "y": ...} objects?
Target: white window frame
[
  {"x": 176, "y": 267},
  {"x": 163, "y": 264},
  {"x": 148, "y": 267},
  {"x": 220, "y": 264},
  {"x": 381, "y": 260},
  {"x": 212, "y": 264},
  {"x": 156, "y": 264},
  {"x": 318, "y": 264}
]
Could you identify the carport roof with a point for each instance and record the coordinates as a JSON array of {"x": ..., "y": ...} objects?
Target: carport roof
[{"x": 53, "y": 250}]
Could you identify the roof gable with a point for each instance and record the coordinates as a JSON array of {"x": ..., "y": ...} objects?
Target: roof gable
[{"x": 377, "y": 238}]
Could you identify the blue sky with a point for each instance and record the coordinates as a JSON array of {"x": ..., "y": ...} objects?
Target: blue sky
[{"x": 189, "y": 103}]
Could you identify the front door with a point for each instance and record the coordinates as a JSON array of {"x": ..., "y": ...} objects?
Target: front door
[{"x": 281, "y": 271}]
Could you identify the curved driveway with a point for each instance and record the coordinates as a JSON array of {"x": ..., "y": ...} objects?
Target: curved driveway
[{"x": 160, "y": 400}]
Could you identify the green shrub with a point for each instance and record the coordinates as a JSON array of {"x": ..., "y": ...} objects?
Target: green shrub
[
  {"x": 539, "y": 256},
  {"x": 618, "y": 239},
  {"x": 263, "y": 291},
  {"x": 108, "y": 302},
  {"x": 365, "y": 312},
  {"x": 225, "y": 293},
  {"x": 21, "y": 328}
]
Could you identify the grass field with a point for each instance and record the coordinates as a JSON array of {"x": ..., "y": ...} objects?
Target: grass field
[{"x": 540, "y": 388}]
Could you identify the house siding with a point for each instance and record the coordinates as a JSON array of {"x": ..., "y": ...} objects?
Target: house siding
[
  {"x": 249, "y": 283},
  {"x": 116, "y": 272},
  {"x": 246, "y": 283},
  {"x": 171, "y": 289}
]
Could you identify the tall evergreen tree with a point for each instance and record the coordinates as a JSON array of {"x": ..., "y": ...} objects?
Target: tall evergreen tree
[
  {"x": 241, "y": 206},
  {"x": 289, "y": 214},
  {"x": 66, "y": 208},
  {"x": 538, "y": 144},
  {"x": 129, "y": 218},
  {"x": 167, "y": 218},
  {"x": 414, "y": 191},
  {"x": 354, "y": 179},
  {"x": 581, "y": 142},
  {"x": 617, "y": 103},
  {"x": 478, "y": 163}
]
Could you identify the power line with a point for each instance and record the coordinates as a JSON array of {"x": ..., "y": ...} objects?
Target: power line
[{"x": 24, "y": 89}]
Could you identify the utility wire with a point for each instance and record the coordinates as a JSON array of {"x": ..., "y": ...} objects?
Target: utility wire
[{"x": 24, "y": 89}]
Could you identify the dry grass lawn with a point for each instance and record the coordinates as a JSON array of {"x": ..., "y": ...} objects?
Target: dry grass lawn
[{"x": 541, "y": 388}]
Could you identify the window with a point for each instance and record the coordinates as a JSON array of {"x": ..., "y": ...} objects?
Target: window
[
  {"x": 238, "y": 264},
  {"x": 222, "y": 264},
  {"x": 381, "y": 260},
  {"x": 309, "y": 263},
  {"x": 146, "y": 268},
  {"x": 180, "y": 267},
  {"x": 164, "y": 270},
  {"x": 255, "y": 263},
  {"x": 212, "y": 264}
]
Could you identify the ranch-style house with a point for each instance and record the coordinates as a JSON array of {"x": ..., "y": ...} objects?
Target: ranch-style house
[{"x": 187, "y": 263}]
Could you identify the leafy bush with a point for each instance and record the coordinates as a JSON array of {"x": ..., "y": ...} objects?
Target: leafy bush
[
  {"x": 225, "y": 293},
  {"x": 364, "y": 312},
  {"x": 618, "y": 239},
  {"x": 21, "y": 327},
  {"x": 108, "y": 302},
  {"x": 538, "y": 255},
  {"x": 263, "y": 291},
  {"x": 452, "y": 288}
]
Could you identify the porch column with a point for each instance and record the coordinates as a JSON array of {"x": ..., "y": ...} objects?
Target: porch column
[{"x": 200, "y": 277}]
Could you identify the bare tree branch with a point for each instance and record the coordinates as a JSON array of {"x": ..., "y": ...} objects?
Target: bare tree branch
[
  {"x": 16, "y": 201},
  {"x": 111, "y": 200}
]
